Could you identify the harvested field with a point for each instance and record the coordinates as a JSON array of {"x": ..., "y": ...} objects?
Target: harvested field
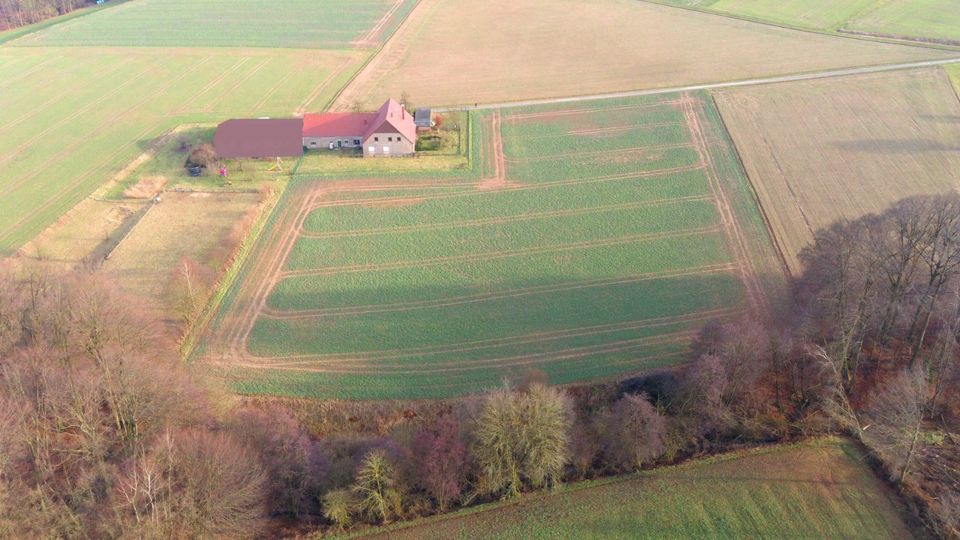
[
  {"x": 818, "y": 489},
  {"x": 424, "y": 289},
  {"x": 819, "y": 151},
  {"x": 104, "y": 107},
  {"x": 310, "y": 24},
  {"x": 506, "y": 50},
  {"x": 201, "y": 227}
]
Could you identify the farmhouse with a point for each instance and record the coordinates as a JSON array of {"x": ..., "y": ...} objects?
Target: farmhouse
[
  {"x": 259, "y": 138},
  {"x": 388, "y": 132}
]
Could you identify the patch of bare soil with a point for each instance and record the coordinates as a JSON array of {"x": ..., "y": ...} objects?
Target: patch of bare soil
[{"x": 147, "y": 188}]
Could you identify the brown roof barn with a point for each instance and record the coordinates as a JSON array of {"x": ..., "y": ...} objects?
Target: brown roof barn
[{"x": 259, "y": 138}]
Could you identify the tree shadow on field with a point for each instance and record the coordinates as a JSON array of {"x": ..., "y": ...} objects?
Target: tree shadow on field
[{"x": 895, "y": 146}]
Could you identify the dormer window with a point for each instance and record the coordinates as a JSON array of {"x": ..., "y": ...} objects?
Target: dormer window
[{"x": 376, "y": 139}]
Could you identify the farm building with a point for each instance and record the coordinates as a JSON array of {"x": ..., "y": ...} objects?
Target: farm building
[
  {"x": 259, "y": 138},
  {"x": 421, "y": 117},
  {"x": 388, "y": 132}
]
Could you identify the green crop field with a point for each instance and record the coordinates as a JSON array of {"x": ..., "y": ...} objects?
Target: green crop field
[
  {"x": 231, "y": 23},
  {"x": 597, "y": 239},
  {"x": 938, "y": 19},
  {"x": 910, "y": 19},
  {"x": 71, "y": 118},
  {"x": 818, "y": 489}
]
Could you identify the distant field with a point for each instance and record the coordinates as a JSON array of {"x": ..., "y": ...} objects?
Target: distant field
[
  {"x": 596, "y": 241},
  {"x": 71, "y": 118},
  {"x": 818, "y": 489},
  {"x": 818, "y": 151},
  {"x": 936, "y": 19},
  {"x": 231, "y": 23},
  {"x": 453, "y": 52},
  {"x": 913, "y": 18}
]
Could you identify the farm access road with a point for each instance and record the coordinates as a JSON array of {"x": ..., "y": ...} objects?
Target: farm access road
[{"x": 825, "y": 74}]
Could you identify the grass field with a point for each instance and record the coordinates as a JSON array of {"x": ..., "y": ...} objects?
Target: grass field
[
  {"x": 310, "y": 24},
  {"x": 71, "y": 118},
  {"x": 910, "y": 19},
  {"x": 819, "y": 151},
  {"x": 597, "y": 239},
  {"x": 452, "y": 52},
  {"x": 817, "y": 489},
  {"x": 938, "y": 19},
  {"x": 192, "y": 225}
]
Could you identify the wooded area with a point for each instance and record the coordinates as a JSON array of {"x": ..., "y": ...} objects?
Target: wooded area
[{"x": 15, "y": 13}]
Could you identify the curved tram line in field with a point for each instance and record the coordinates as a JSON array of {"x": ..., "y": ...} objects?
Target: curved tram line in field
[{"x": 268, "y": 269}]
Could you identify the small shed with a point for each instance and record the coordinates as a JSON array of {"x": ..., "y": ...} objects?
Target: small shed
[
  {"x": 421, "y": 118},
  {"x": 259, "y": 138}
]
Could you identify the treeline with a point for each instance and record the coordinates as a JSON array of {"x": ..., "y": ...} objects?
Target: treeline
[
  {"x": 105, "y": 436},
  {"x": 15, "y": 13}
]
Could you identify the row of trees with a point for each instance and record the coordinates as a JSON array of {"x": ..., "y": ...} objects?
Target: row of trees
[{"x": 14, "y": 13}]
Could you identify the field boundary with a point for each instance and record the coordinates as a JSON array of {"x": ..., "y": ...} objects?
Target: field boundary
[
  {"x": 23, "y": 31},
  {"x": 802, "y": 76},
  {"x": 784, "y": 267},
  {"x": 191, "y": 337}
]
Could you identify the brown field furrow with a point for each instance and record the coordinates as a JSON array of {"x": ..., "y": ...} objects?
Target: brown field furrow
[
  {"x": 612, "y": 129},
  {"x": 498, "y": 254},
  {"x": 521, "y": 187},
  {"x": 524, "y": 360},
  {"x": 601, "y": 153},
  {"x": 81, "y": 83},
  {"x": 492, "y": 343},
  {"x": 271, "y": 313},
  {"x": 520, "y": 117},
  {"x": 307, "y": 233}
]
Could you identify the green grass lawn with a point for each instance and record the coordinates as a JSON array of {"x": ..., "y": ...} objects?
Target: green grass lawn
[
  {"x": 227, "y": 23},
  {"x": 817, "y": 489},
  {"x": 93, "y": 111},
  {"x": 583, "y": 272}
]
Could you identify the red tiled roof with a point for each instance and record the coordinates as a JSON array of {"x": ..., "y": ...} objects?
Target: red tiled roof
[
  {"x": 394, "y": 114},
  {"x": 262, "y": 137},
  {"x": 361, "y": 125},
  {"x": 337, "y": 124}
]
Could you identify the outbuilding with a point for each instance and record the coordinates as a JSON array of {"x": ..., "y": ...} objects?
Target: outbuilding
[{"x": 259, "y": 138}]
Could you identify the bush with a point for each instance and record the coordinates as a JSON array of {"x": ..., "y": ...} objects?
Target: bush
[
  {"x": 635, "y": 433},
  {"x": 202, "y": 155}
]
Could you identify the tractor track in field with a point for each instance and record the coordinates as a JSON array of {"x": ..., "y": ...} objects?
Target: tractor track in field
[
  {"x": 514, "y": 361},
  {"x": 273, "y": 313},
  {"x": 490, "y": 343},
  {"x": 601, "y": 153},
  {"x": 315, "y": 93},
  {"x": 735, "y": 238},
  {"x": 621, "y": 240},
  {"x": 519, "y": 117},
  {"x": 371, "y": 38},
  {"x": 517, "y": 187},
  {"x": 531, "y": 216},
  {"x": 609, "y": 129}
]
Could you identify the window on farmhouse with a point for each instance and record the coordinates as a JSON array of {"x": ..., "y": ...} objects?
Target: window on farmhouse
[{"x": 376, "y": 139}]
